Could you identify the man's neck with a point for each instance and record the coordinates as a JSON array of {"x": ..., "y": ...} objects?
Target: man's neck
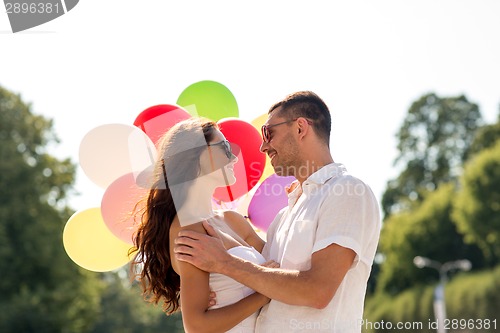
[{"x": 310, "y": 167}]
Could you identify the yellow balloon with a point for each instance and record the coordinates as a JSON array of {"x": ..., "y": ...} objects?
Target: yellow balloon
[
  {"x": 259, "y": 121},
  {"x": 91, "y": 245},
  {"x": 268, "y": 168}
]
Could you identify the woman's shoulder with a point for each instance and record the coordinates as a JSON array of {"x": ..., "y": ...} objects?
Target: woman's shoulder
[
  {"x": 234, "y": 218},
  {"x": 242, "y": 226},
  {"x": 237, "y": 222},
  {"x": 175, "y": 227},
  {"x": 231, "y": 214}
]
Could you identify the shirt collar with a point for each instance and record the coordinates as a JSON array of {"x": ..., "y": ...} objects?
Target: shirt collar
[
  {"x": 326, "y": 173},
  {"x": 320, "y": 177}
]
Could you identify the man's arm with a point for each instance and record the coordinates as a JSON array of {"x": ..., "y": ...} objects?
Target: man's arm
[{"x": 314, "y": 287}]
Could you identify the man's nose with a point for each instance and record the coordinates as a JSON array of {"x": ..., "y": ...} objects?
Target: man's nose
[{"x": 264, "y": 146}]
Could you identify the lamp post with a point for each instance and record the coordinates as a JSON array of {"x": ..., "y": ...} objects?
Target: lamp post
[{"x": 443, "y": 269}]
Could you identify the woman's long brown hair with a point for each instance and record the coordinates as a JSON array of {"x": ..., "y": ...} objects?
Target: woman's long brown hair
[{"x": 152, "y": 263}]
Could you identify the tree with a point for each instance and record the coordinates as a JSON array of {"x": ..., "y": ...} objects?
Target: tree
[
  {"x": 477, "y": 208},
  {"x": 486, "y": 137},
  {"x": 433, "y": 143},
  {"x": 428, "y": 231},
  {"x": 125, "y": 310},
  {"x": 41, "y": 289}
]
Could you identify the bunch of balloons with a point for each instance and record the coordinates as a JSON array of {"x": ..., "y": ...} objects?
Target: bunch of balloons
[{"x": 113, "y": 155}]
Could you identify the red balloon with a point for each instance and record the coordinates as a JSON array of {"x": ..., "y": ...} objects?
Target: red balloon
[
  {"x": 251, "y": 161},
  {"x": 157, "y": 120}
]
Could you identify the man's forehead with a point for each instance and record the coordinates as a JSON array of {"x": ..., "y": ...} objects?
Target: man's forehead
[{"x": 274, "y": 115}]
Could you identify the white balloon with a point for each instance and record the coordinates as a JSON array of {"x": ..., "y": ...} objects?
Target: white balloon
[{"x": 113, "y": 150}]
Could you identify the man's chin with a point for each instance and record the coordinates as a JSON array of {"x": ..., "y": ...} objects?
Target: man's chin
[{"x": 280, "y": 171}]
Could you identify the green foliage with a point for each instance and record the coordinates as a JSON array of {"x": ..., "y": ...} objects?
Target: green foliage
[
  {"x": 468, "y": 296},
  {"x": 486, "y": 137},
  {"x": 125, "y": 311},
  {"x": 426, "y": 231},
  {"x": 477, "y": 208},
  {"x": 433, "y": 143},
  {"x": 411, "y": 306},
  {"x": 438, "y": 209},
  {"x": 474, "y": 295},
  {"x": 41, "y": 289}
]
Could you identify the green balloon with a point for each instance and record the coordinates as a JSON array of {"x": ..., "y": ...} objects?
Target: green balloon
[{"x": 209, "y": 99}]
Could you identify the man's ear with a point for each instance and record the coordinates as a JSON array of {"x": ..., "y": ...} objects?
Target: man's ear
[{"x": 302, "y": 123}]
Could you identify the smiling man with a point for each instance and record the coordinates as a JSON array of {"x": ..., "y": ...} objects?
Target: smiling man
[{"x": 324, "y": 240}]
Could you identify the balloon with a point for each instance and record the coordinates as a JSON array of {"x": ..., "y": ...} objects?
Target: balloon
[
  {"x": 244, "y": 201},
  {"x": 239, "y": 205},
  {"x": 209, "y": 99},
  {"x": 259, "y": 121},
  {"x": 110, "y": 151},
  {"x": 157, "y": 120},
  {"x": 225, "y": 205},
  {"x": 121, "y": 199},
  {"x": 250, "y": 165},
  {"x": 268, "y": 200},
  {"x": 268, "y": 168},
  {"x": 91, "y": 245}
]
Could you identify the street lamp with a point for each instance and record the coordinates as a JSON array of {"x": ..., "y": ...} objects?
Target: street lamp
[{"x": 443, "y": 269}]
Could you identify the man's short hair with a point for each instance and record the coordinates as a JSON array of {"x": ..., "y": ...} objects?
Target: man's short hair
[{"x": 308, "y": 105}]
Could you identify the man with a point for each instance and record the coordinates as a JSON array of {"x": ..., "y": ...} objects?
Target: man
[{"x": 324, "y": 241}]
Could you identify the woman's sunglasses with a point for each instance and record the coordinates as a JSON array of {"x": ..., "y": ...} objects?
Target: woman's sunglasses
[{"x": 226, "y": 145}]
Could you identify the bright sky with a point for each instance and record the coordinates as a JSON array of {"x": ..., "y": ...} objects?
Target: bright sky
[{"x": 106, "y": 61}]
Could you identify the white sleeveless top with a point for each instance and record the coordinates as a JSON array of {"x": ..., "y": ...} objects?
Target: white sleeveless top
[{"x": 228, "y": 291}]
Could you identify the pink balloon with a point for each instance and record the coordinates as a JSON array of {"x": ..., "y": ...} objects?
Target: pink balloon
[
  {"x": 268, "y": 200},
  {"x": 121, "y": 199}
]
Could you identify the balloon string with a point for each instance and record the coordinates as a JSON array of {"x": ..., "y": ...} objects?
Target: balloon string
[{"x": 228, "y": 187}]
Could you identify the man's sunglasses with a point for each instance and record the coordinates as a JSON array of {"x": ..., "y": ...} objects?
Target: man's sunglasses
[
  {"x": 226, "y": 145},
  {"x": 266, "y": 135}
]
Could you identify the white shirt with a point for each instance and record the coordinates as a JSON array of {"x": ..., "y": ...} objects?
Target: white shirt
[{"x": 331, "y": 207}]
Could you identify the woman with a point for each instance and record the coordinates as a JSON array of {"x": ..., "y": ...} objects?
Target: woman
[{"x": 195, "y": 158}]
